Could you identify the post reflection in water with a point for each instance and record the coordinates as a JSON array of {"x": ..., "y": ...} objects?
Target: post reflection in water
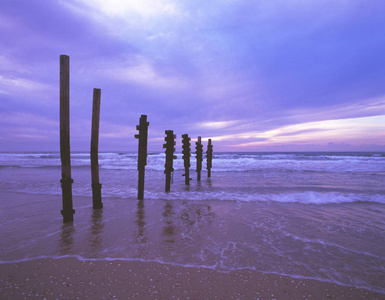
[
  {"x": 197, "y": 214},
  {"x": 168, "y": 228},
  {"x": 140, "y": 236},
  {"x": 96, "y": 238},
  {"x": 66, "y": 239},
  {"x": 208, "y": 182}
]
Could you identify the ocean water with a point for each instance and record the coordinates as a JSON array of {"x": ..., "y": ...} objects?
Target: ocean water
[{"x": 306, "y": 215}]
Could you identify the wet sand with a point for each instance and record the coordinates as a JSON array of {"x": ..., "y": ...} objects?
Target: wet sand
[{"x": 70, "y": 278}]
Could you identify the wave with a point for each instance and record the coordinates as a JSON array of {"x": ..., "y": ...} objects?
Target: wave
[
  {"x": 42, "y": 166},
  {"x": 221, "y": 161},
  {"x": 311, "y": 197},
  {"x": 308, "y": 197},
  {"x": 305, "y": 198}
]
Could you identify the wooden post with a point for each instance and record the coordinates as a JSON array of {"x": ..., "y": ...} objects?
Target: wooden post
[
  {"x": 96, "y": 186},
  {"x": 65, "y": 156},
  {"x": 209, "y": 158},
  {"x": 186, "y": 151},
  {"x": 142, "y": 153},
  {"x": 199, "y": 150},
  {"x": 170, "y": 143}
]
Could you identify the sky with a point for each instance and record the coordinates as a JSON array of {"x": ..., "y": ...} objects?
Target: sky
[{"x": 266, "y": 75}]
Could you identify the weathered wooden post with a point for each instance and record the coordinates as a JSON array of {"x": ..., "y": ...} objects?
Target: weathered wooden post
[
  {"x": 65, "y": 156},
  {"x": 170, "y": 149},
  {"x": 142, "y": 153},
  {"x": 186, "y": 151},
  {"x": 198, "y": 152},
  {"x": 96, "y": 186},
  {"x": 209, "y": 158}
]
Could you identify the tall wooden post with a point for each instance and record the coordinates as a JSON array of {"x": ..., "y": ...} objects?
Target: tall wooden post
[
  {"x": 186, "y": 151},
  {"x": 142, "y": 153},
  {"x": 199, "y": 158},
  {"x": 170, "y": 149},
  {"x": 209, "y": 158},
  {"x": 65, "y": 156},
  {"x": 96, "y": 186}
]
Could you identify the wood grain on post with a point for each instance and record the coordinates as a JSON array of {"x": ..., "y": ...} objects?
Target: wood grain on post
[
  {"x": 209, "y": 157},
  {"x": 142, "y": 153},
  {"x": 199, "y": 150},
  {"x": 170, "y": 148},
  {"x": 186, "y": 157},
  {"x": 96, "y": 186},
  {"x": 65, "y": 156}
]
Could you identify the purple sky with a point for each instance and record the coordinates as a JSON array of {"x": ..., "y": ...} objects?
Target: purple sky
[{"x": 252, "y": 75}]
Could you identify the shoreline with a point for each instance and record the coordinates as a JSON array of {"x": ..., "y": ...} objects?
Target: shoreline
[{"x": 70, "y": 277}]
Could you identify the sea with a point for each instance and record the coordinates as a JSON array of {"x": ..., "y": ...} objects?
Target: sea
[{"x": 304, "y": 215}]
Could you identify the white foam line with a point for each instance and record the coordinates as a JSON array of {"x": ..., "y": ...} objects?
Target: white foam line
[
  {"x": 81, "y": 258},
  {"x": 317, "y": 241}
]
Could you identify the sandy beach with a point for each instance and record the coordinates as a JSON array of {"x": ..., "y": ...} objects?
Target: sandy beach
[{"x": 70, "y": 278}]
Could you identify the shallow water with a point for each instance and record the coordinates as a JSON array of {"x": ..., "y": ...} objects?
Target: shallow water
[{"x": 316, "y": 216}]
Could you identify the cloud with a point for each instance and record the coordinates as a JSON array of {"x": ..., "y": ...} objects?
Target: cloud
[
  {"x": 217, "y": 125},
  {"x": 143, "y": 73},
  {"x": 355, "y": 131},
  {"x": 14, "y": 84},
  {"x": 21, "y": 130},
  {"x": 240, "y": 71},
  {"x": 123, "y": 8}
]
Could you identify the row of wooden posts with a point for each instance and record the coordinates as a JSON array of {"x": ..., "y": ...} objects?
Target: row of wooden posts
[
  {"x": 66, "y": 179},
  {"x": 170, "y": 150}
]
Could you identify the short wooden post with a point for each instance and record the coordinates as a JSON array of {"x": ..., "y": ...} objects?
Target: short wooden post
[
  {"x": 199, "y": 158},
  {"x": 96, "y": 186},
  {"x": 170, "y": 149},
  {"x": 186, "y": 151},
  {"x": 65, "y": 156},
  {"x": 209, "y": 158},
  {"x": 142, "y": 153}
]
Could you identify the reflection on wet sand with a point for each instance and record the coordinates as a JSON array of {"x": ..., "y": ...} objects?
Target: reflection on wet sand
[
  {"x": 155, "y": 229},
  {"x": 185, "y": 220},
  {"x": 168, "y": 228},
  {"x": 141, "y": 246},
  {"x": 195, "y": 214},
  {"x": 66, "y": 238},
  {"x": 140, "y": 236},
  {"x": 96, "y": 230}
]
